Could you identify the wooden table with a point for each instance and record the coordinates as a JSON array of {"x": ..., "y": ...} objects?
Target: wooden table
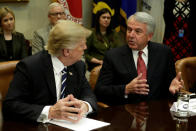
[{"x": 150, "y": 116}]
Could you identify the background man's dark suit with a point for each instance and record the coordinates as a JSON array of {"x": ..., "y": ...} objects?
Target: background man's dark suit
[
  {"x": 19, "y": 47},
  {"x": 33, "y": 87},
  {"x": 119, "y": 69}
]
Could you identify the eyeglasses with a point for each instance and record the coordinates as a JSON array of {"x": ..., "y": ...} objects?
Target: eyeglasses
[{"x": 57, "y": 13}]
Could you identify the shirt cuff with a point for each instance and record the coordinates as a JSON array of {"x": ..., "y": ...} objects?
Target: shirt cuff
[
  {"x": 125, "y": 96},
  {"x": 44, "y": 115},
  {"x": 90, "y": 109}
]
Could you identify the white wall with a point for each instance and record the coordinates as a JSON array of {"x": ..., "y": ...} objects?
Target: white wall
[
  {"x": 87, "y": 6},
  {"x": 32, "y": 15}
]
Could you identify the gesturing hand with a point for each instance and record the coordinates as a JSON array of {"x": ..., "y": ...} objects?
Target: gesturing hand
[
  {"x": 137, "y": 86},
  {"x": 176, "y": 84}
]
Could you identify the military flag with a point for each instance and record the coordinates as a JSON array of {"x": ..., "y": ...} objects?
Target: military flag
[{"x": 73, "y": 9}]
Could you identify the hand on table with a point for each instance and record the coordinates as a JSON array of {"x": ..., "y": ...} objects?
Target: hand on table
[{"x": 69, "y": 108}]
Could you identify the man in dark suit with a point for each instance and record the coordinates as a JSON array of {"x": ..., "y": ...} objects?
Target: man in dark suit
[
  {"x": 121, "y": 79},
  {"x": 35, "y": 91}
]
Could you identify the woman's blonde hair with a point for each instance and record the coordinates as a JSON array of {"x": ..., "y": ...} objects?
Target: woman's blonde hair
[
  {"x": 65, "y": 34},
  {"x": 3, "y": 12}
]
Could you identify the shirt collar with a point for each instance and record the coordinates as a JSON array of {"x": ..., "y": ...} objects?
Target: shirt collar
[
  {"x": 57, "y": 64},
  {"x": 145, "y": 51}
]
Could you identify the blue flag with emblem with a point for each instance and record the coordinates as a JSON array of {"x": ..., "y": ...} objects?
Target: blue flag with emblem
[
  {"x": 128, "y": 7},
  {"x": 120, "y": 10}
]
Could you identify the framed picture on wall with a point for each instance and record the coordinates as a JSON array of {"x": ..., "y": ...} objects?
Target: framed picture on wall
[{"x": 4, "y": 1}]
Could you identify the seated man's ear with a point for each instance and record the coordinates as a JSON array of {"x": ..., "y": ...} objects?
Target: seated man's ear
[{"x": 66, "y": 52}]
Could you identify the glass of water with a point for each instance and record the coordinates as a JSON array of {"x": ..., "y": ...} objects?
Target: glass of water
[
  {"x": 182, "y": 124},
  {"x": 182, "y": 105}
]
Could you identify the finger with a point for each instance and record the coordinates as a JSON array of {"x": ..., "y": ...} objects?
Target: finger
[
  {"x": 142, "y": 85},
  {"x": 67, "y": 98},
  {"x": 141, "y": 81},
  {"x": 182, "y": 82},
  {"x": 71, "y": 109},
  {"x": 179, "y": 76},
  {"x": 172, "y": 91},
  {"x": 81, "y": 114},
  {"x": 71, "y": 114},
  {"x": 139, "y": 76},
  {"x": 71, "y": 119},
  {"x": 179, "y": 86},
  {"x": 73, "y": 98},
  {"x": 75, "y": 103},
  {"x": 143, "y": 88},
  {"x": 176, "y": 90},
  {"x": 142, "y": 92}
]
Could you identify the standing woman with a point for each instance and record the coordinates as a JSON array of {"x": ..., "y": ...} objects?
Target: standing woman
[
  {"x": 12, "y": 43},
  {"x": 101, "y": 40}
]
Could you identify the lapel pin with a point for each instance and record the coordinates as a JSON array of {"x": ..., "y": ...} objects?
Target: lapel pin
[{"x": 70, "y": 73}]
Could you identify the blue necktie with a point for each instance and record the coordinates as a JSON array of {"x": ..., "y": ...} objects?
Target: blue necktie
[{"x": 63, "y": 82}]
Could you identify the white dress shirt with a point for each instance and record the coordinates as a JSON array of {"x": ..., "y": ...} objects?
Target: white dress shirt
[
  {"x": 135, "y": 57},
  {"x": 144, "y": 56}
]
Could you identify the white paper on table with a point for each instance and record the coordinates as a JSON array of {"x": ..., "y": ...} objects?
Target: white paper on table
[{"x": 85, "y": 124}]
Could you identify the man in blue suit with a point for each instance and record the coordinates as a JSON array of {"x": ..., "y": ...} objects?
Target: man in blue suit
[
  {"x": 35, "y": 91},
  {"x": 119, "y": 82}
]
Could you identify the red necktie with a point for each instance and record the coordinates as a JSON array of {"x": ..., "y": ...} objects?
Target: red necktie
[{"x": 141, "y": 67}]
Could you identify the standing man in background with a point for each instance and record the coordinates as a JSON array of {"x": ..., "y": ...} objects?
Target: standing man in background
[{"x": 40, "y": 37}]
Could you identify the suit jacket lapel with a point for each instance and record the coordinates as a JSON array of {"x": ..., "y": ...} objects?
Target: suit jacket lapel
[
  {"x": 151, "y": 61},
  {"x": 14, "y": 44},
  {"x": 48, "y": 72},
  {"x": 128, "y": 60},
  {"x": 70, "y": 75},
  {"x": 3, "y": 46}
]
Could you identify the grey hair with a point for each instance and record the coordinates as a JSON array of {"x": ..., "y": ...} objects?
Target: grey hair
[
  {"x": 145, "y": 18},
  {"x": 54, "y": 4}
]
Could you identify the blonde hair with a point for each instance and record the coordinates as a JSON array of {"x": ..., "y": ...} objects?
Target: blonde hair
[
  {"x": 3, "y": 12},
  {"x": 65, "y": 34}
]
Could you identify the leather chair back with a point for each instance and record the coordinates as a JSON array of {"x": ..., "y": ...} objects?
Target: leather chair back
[
  {"x": 6, "y": 75},
  {"x": 1, "y": 117},
  {"x": 94, "y": 74},
  {"x": 188, "y": 68}
]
